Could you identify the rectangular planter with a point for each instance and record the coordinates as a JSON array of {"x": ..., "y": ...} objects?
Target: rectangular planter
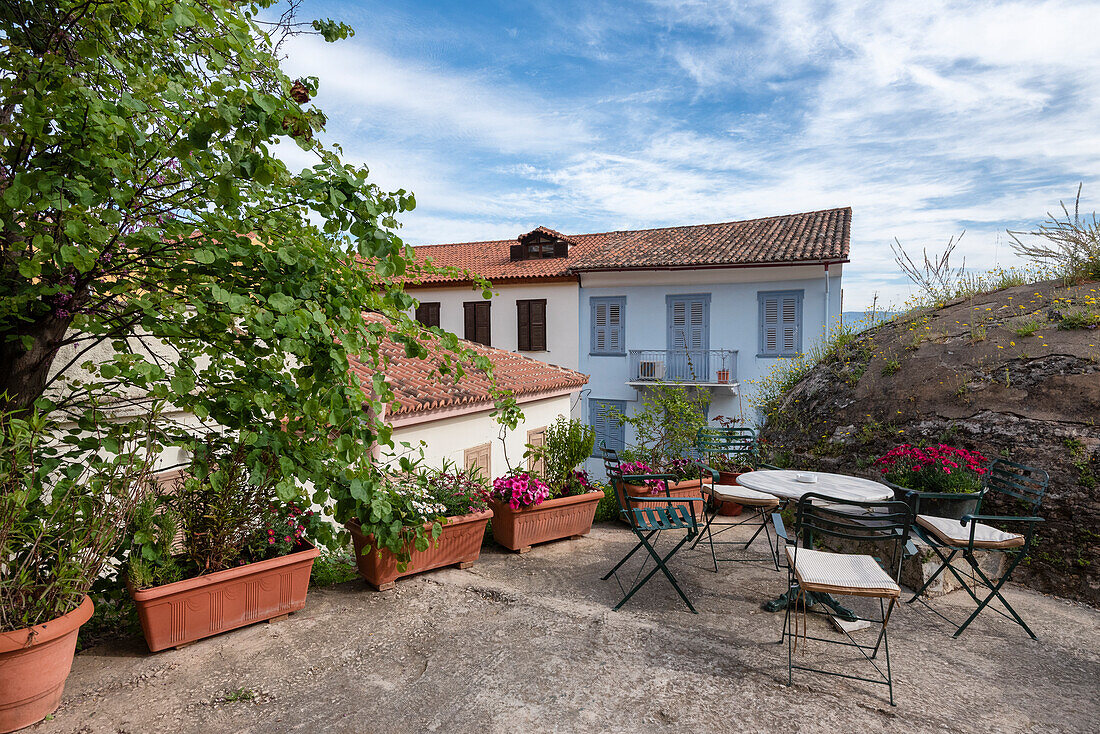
[
  {"x": 184, "y": 611},
  {"x": 686, "y": 488},
  {"x": 564, "y": 517},
  {"x": 459, "y": 543}
]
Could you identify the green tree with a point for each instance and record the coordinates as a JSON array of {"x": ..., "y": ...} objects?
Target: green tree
[{"x": 147, "y": 222}]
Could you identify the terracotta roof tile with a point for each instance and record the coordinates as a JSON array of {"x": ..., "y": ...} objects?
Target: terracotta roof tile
[
  {"x": 420, "y": 388},
  {"x": 791, "y": 238}
]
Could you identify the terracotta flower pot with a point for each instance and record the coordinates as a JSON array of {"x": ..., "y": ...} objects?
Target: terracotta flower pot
[
  {"x": 34, "y": 663},
  {"x": 725, "y": 507},
  {"x": 686, "y": 488},
  {"x": 184, "y": 611},
  {"x": 564, "y": 517},
  {"x": 458, "y": 544}
]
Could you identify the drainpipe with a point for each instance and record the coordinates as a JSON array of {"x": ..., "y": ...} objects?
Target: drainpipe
[{"x": 827, "y": 323}]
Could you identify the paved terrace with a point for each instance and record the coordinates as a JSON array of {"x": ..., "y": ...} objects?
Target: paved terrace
[{"x": 530, "y": 644}]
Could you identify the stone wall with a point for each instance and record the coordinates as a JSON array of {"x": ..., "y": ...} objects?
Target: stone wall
[{"x": 974, "y": 374}]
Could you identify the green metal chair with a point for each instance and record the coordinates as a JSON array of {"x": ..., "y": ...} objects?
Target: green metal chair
[
  {"x": 648, "y": 517},
  {"x": 819, "y": 573},
  {"x": 950, "y": 538},
  {"x": 739, "y": 444}
]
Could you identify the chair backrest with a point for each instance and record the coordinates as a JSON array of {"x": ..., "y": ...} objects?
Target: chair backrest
[
  {"x": 737, "y": 442},
  {"x": 1025, "y": 483},
  {"x": 613, "y": 466},
  {"x": 884, "y": 524}
]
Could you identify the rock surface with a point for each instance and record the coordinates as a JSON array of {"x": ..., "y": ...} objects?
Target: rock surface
[
  {"x": 968, "y": 374},
  {"x": 530, "y": 644}
]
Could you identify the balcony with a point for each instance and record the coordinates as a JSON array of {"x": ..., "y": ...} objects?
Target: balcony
[{"x": 712, "y": 368}]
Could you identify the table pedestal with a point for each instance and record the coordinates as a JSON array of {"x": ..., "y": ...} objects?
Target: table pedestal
[{"x": 813, "y": 598}]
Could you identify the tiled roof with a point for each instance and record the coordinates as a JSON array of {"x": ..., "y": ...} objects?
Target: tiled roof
[
  {"x": 791, "y": 238},
  {"x": 420, "y": 388},
  {"x": 549, "y": 232}
]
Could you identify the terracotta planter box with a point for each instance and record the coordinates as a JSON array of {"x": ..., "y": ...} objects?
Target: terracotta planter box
[
  {"x": 686, "y": 488},
  {"x": 725, "y": 507},
  {"x": 564, "y": 517},
  {"x": 459, "y": 544},
  {"x": 182, "y": 612},
  {"x": 34, "y": 663}
]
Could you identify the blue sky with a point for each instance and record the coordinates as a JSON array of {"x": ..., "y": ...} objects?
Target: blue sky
[{"x": 594, "y": 116}]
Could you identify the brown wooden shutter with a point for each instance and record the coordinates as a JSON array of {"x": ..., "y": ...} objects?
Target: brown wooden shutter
[
  {"x": 480, "y": 457},
  {"x": 561, "y": 249},
  {"x": 515, "y": 252},
  {"x": 523, "y": 322},
  {"x": 538, "y": 325},
  {"x": 469, "y": 318},
  {"x": 483, "y": 335},
  {"x": 536, "y": 437},
  {"x": 428, "y": 314}
]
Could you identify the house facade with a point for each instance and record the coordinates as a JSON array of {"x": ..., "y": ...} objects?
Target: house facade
[{"x": 711, "y": 307}]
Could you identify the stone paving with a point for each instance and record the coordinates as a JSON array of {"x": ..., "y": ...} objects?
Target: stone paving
[{"x": 530, "y": 644}]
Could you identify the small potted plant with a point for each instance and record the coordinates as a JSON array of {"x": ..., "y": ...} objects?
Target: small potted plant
[
  {"x": 409, "y": 519},
  {"x": 65, "y": 503},
  {"x": 937, "y": 468},
  {"x": 529, "y": 509},
  {"x": 243, "y": 555},
  {"x": 723, "y": 376}
]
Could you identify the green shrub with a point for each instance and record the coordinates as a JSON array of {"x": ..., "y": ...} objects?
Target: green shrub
[{"x": 665, "y": 428}]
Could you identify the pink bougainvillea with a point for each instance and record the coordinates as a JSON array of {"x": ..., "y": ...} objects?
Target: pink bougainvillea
[
  {"x": 936, "y": 468},
  {"x": 520, "y": 490}
]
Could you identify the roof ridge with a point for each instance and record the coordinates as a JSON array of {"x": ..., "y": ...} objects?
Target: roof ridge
[{"x": 647, "y": 229}]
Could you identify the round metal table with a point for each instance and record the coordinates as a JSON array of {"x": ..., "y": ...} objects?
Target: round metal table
[{"x": 783, "y": 483}]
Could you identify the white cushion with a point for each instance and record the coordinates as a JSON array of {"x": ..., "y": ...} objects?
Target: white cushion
[
  {"x": 954, "y": 533},
  {"x": 742, "y": 495},
  {"x": 840, "y": 573}
]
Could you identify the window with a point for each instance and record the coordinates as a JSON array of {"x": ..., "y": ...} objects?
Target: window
[
  {"x": 603, "y": 416},
  {"x": 780, "y": 323},
  {"x": 536, "y": 437},
  {"x": 476, "y": 322},
  {"x": 531, "y": 319},
  {"x": 479, "y": 457},
  {"x": 428, "y": 314},
  {"x": 608, "y": 325}
]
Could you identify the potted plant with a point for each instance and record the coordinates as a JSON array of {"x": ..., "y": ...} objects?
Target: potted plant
[
  {"x": 65, "y": 502},
  {"x": 414, "y": 519},
  {"x": 688, "y": 481},
  {"x": 529, "y": 509},
  {"x": 243, "y": 555},
  {"x": 723, "y": 376},
  {"x": 938, "y": 468}
]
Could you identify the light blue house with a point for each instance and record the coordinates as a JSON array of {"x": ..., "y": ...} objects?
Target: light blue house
[{"x": 710, "y": 306}]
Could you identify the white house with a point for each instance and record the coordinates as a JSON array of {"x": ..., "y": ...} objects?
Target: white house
[
  {"x": 711, "y": 306},
  {"x": 454, "y": 417}
]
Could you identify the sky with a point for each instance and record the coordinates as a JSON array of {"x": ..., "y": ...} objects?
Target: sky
[{"x": 926, "y": 118}]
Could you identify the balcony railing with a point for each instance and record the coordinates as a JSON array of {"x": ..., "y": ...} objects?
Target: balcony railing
[{"x": 689, "y": 366}]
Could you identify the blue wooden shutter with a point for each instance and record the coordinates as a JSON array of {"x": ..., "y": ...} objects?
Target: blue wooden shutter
[
  {"x": 790, "y": 321},
  {"x": 781, "y": 323},
  {"x": 769, "y": 325},
  {"x": 605, "y": 425},
  {"x": 607, "y": 326}
]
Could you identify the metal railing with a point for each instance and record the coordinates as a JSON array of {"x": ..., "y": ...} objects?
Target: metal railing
[{"x": 691, "y": 366}]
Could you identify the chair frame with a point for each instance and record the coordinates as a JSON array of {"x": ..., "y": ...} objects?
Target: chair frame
[
  {"x": 653, "y": 516},
  {"x": 739, "y": 442},
  {"x": 818, "y": 515},
  {"x": 1018, "y": 481}
]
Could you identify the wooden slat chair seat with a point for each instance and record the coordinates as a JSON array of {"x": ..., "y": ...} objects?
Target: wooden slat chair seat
[
  {"x": 742, "y": 495},
  {"x": 836, "y": 573},
  {"x": 958, "y": 533},
  {"x": 677, "y": 517}
]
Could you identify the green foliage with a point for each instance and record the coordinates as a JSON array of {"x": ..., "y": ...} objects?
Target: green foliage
[
  {"x": 666, "y": 424},
  {"x": 144, "y": 212},
  {"x": 891, "y": 366},
  {"x": 1027, "y": 328},
  {"x": 226, "y": 512},
  {"x": 567, "y": 445},
  {"x": 1068, "y": 244},
  {"x": 608, "y": 508},
  {"x": 405, "y": 506},
  {"x": 61, "y": 514},
  {"x": 333, "y": 567},
  {"x": 1079, "y": 319}
]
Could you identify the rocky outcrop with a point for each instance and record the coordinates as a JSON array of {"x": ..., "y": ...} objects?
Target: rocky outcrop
[{"x": 1014, "y": 373}]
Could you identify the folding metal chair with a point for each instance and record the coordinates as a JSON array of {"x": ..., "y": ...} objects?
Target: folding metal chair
[
  {"x": 739, "y": 444},
  {"x": 648, "y": 517},
  {"x": 949, "y": 538},
  {"x": 822, "y": 573}
]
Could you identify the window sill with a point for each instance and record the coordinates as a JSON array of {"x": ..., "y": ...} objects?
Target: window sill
[
  {"x": 793, "y": 355},
  {"x": 607, "y": 354}
]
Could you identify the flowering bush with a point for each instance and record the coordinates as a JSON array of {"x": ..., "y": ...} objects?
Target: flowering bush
[
  {"x": 521, "y": 489},
  {"x": 938, "y": 468},
  {"x": 640, "y": 467}
]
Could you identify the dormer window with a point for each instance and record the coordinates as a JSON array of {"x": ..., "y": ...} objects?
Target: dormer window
[{"x": 541, "y": 243}]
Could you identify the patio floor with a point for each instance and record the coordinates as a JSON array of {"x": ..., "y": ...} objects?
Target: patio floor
[{"x": 529, "y": 643}]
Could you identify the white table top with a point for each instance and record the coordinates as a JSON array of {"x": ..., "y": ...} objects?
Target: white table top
[{"x": 782, "y": 484}]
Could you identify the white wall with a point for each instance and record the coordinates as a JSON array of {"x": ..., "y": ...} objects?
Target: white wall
[
  {"x": 448, "y": 438},
  {"x": 561, "y": 316}
]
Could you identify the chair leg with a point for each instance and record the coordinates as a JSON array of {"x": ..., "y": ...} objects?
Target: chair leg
[
  {"x": 662, "y": 568},
  {"x": 995, "y": 591},
  {"x": 945, "y": 563},
  {"x": 773, "y": 549},
  {"x": 626, "y": 558}
]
